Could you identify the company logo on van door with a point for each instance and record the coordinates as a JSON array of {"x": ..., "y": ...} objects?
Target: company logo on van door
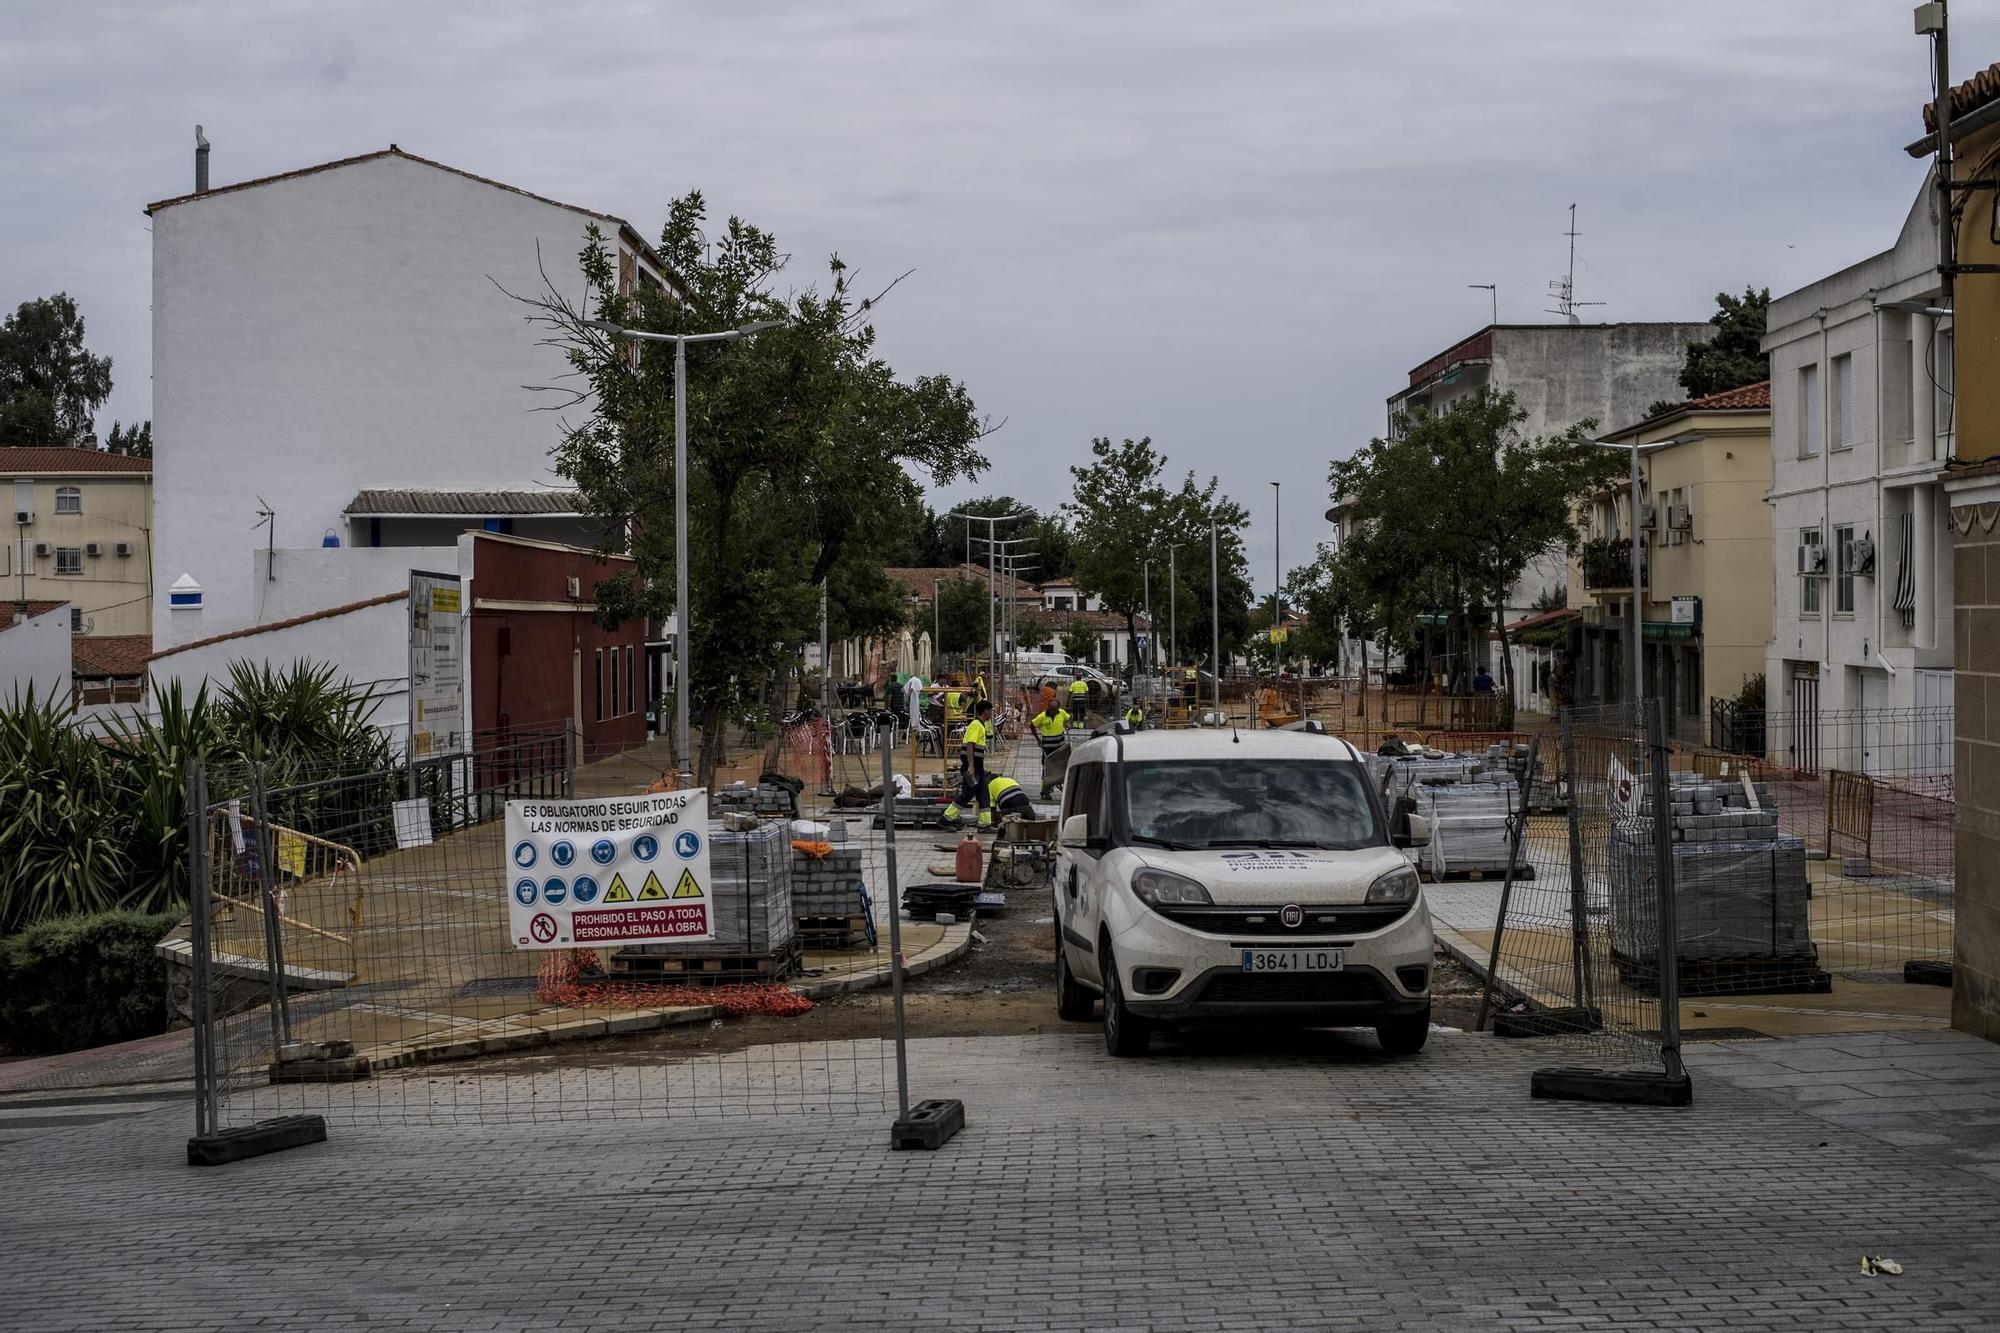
[{"x": 1276, "y": 860}]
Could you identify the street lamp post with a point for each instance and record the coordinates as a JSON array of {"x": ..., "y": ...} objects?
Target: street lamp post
[
  {"x": 682, "y": 612},
  {"x": 1215, "y": 614},
  {"x": 937, "y": 627},
  {"x": 992, "y": 522},
  {"x": 1278, "y": 579}
]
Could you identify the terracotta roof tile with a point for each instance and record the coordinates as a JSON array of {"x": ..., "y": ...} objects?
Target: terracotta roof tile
[
  {"x": 467, "y": 503},
  {"x": 110, "y": 654},
  {"x": 10, "y": 608},
  {"x": 1748, "y": 397},
  {"x": 60, "y": 461},
  {"x": 916, "y": 581},
  {"x": 1967, "y": 97}
]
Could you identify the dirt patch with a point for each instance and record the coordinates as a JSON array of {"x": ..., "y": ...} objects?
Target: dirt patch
[{"x": 1005, "y": 986}]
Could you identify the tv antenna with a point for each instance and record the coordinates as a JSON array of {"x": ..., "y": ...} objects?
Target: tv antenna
[
  {"x": 267, "y": 518},
  {"x": 1563, "y": 289}
]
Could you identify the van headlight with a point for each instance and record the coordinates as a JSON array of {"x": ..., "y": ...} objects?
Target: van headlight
[
  {"x": 1160, "y": 889},
  {"x": 1397, "y": 886}
]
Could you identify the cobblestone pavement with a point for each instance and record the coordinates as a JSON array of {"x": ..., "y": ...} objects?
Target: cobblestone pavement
[{"x": 1303, "y": 1184}]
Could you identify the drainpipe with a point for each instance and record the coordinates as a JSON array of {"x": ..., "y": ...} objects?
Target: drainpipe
[{"x": 1825, "y": 500}]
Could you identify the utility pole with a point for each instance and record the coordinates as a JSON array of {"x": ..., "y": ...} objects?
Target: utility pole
[
  {"x": 1492, "y": 289},
  {"x": 1935, "y": 19},
  {"x": 1215, "y": 614},
  {"x": 1277, "y": 579}
]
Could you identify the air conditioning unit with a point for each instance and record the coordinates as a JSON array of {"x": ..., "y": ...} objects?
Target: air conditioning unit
[
  {"x": 42, "y": 549},
  {"x": 1861, "y": 557},
  {"x": 1646, "y": 516},
  {"x": 24, "y": 516},
  {"x": 93, "y": 548},
  {"x": 1679, "y": 519},
  {"x": 123, "y": 548},
  {"x": 1812, "y": 560},
  {"x": 575, "y": 588}
]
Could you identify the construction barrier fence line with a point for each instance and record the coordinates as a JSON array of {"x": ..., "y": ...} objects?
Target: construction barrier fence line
[{"x": 349, "y": 953}]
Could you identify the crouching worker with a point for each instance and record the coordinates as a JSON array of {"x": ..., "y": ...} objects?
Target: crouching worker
[
  {"x": 1003, "y": 796},
  {"x": 1052, "y": 733},
  {"x": 972, "y": 766}
]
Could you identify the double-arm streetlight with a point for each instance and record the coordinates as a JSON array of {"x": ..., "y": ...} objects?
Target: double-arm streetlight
[{"x": 681, "y": 609}]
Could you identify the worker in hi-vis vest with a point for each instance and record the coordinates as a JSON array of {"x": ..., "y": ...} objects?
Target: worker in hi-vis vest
[
  {"x": 954, "y": 704},
  {"x": 972, "y": 765},
  {"x": 1079, "y": 695},
  {"x": 1052, "y": 733},
  {"x": 1136, "y": 716},
  {"x": 1002, "y": 795}
]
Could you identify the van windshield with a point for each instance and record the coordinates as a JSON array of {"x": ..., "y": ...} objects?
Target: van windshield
[{"x": 1195, "y": 803}]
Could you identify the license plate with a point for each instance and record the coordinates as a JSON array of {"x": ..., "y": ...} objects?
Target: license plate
[{"x": 1291, "y": 960}]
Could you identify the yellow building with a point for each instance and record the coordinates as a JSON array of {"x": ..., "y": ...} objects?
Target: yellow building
[
  {"x": 1705, "y": 556},
  {"x": 81, "y": 532}
]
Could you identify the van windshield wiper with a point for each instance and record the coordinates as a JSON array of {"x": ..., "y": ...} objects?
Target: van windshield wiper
[
  {"x": 1268, "y": 842},
  {"x": 1170, "y": 843}
]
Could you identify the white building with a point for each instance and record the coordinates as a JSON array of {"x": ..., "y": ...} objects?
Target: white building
[
  {"x": 1861, "y": 427},
  {"x": 1559, "y": 374},
  {"x": 339, "y": 383}
]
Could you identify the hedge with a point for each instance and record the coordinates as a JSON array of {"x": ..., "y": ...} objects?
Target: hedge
[{"x": 79, "y": 981}]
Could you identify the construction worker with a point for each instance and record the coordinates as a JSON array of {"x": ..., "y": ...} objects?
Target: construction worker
[
  {"x": 1135, "y": 715},
  {"x": 972, "y": 764},
  {"x": 998, "y": 794},
  {"x": 979, "y": 688},
  {"x": 954, "y": 703},
  {"x": 1079, "y": 696},
  {"x": 1052, "y": 732}
]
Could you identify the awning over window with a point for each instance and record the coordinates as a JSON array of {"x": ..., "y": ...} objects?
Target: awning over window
[{"x": 1906, "y": 573}]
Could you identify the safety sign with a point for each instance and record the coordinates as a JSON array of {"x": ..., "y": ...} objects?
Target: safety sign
[{"x": 592, "y": 872}]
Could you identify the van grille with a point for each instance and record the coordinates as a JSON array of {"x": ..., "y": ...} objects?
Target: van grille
[
  {"x": 1292, "y": 987},
  {"x": 1246, "y": 922}
]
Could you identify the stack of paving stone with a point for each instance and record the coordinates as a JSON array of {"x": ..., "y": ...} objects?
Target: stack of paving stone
[
  {"x": 749, "y": 898},
  {"x": 1470, "y": 823},
  {"x": 1740, "y": 893},
  {"x": 1404, "y": 773},
  {"x": 829, "y": 903},
  {"x": 766, "y": 800}
]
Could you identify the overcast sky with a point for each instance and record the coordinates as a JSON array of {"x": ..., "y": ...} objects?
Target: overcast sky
[{"x": 1234, "y": 227}]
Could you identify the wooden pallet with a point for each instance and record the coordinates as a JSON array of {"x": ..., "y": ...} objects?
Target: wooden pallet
[
  {"x": 707, "y": 971},
  {"x": 832, "y": 932},
  {"x": 1794, "y": 974}
]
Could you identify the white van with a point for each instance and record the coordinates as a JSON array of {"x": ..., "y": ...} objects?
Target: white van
[
  {"x": 1227, "y": 877},
  {"x": 1029, "y": 665}
]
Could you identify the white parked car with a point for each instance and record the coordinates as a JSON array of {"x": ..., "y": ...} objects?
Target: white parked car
[{"x": 1239, "y": 878}]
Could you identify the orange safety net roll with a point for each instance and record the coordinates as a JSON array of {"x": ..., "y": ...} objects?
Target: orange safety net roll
[{"x": 562, "y": 980}]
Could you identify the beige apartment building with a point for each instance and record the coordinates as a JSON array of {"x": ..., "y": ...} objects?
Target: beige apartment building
[
  {"x": 1705, "y": 561},
  {"x": 80, "y": 531}
]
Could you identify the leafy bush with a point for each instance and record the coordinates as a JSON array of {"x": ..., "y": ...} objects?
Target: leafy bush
[
  {"x": 89, "y": 824},
  {"x": 79, "y": 981}
]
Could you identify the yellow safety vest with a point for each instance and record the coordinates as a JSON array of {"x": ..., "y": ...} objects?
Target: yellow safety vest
[
  {"x": 998, "y": 787},
  {"x": 954, "y": 703},
  {"x": 976, "y": 733},
  {"x": 979, "y": 687},
  {"x": 1079, "y": 687},
  {"x": 1134, "y": 716},
  {"x": 1050, "y": 724}
]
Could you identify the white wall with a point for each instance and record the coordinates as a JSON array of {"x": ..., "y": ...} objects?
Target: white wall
[
  {"x": 1892, "y": 467},
  {"x": 371, "y": 647},
  {"x": 340, "y": 330},
  {"x": 35, "y": 653}
]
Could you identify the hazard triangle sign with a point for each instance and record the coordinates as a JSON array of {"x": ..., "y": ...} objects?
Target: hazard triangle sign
[
  {"x": 654, "y": 890},
  {"x": 618, "y": 893},
  {"x": 687, "y": 888}
]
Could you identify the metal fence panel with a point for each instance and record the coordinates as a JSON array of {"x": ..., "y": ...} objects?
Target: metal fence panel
[{"x": 354, "y": 959}]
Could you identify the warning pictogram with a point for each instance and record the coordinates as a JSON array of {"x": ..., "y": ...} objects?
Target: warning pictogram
[
  {"x": 543, "y": 927},
  {"x": 687, "y": 888},
  {"x": 654, "y": 890},
  {"x": 618, "y": 893}
]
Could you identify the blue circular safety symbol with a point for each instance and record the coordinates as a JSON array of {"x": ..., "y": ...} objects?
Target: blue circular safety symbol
[
  {"x": 687, "y": 844},
  {"x": 584, "y": 888},
  {"x": 603, "y": 851},
  {"x": 524, "y": 892},
  {"x": 563, "y": 853},
  {"x": 524, "y": 854},
  {"x": 554, "y": 890},
  {"x": 645, "y": 846}
]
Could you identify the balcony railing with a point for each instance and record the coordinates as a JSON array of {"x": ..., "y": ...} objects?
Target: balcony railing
[{"x": 1606, "y": 563}]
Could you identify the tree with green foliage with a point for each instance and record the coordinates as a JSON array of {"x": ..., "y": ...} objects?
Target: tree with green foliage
[
  {"x": 133, "y": 442},
  {"x": 1079, "y": 641},
  {"x": 50, "y": 384},
  {"x": 795, "y": 438},
  {"x": 1453, "y": 508},
  {"x": 962, "y": 616},
  {"x": 1734, "y": 356},
  {"x": 1127, "y": 517}
]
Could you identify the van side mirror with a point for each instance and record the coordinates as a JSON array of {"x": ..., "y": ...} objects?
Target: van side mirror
[
  {"x": 1420, "y": 831},
  {"x": 1076, "y": 831}
]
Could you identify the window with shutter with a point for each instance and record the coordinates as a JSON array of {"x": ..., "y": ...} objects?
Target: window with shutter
[
  {"x": 1809, "y": 411},
  {"x": 1842, "y": 434}
]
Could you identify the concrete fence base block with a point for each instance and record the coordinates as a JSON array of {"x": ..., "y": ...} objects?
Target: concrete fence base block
[
  {"x": 1563, "y": 1022},
  {"x": 928, "y": 1125},
  {"x": 1926, "y": 972},
  {"x": 266, "y": 1136},
  {"x": 1630, "y": 1087}
]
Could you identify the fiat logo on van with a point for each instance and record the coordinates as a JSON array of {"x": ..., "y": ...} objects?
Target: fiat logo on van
[{"x": 1292, "y": 915}]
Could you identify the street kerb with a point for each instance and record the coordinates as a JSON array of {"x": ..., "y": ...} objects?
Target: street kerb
[{"x": 355, "y": 961}]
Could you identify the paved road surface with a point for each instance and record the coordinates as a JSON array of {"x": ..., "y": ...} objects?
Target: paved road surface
[{"x": 1307, "y": 1185}]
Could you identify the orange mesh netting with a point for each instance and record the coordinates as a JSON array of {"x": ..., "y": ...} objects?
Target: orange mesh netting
[
  {"x": 818, "y": 851},
  {"x": 562, "y": 980}
]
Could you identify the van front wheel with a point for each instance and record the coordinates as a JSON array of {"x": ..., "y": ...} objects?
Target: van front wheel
[{"x": 1124, "y": 1035}]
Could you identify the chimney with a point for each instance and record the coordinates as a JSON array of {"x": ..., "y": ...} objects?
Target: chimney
[{"x": 200, "y": 161}]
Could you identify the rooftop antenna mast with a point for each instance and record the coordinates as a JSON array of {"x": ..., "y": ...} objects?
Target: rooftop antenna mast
[
  {"x": 267, "y": 519},
  {"x": 1563, "y": 289}
]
